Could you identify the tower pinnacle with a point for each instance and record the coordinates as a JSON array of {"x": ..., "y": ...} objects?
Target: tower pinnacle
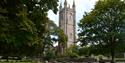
[
  {"x": 73, "y": 4},
  {"x": 65, "y": 3},
  {"x": 60, "y": 6}
]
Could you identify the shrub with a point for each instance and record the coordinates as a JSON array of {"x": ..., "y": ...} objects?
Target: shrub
[{"x": 49, "y": 55}]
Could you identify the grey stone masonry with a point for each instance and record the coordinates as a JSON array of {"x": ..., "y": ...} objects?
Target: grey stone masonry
[{"x": 67, "y": 21}]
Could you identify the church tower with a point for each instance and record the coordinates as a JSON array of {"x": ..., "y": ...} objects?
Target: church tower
[{"x": 67, "y": 21}]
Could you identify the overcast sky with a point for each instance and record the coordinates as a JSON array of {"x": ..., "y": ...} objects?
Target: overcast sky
[{"x": 81, "y": 7}]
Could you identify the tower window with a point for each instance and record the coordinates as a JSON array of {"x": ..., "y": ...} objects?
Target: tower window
[
  {"x": 71, "y": 35},
  {"x": 70, "y": 15}
]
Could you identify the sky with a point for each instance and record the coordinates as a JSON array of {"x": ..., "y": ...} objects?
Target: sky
[{"x": 81, "y": 7}]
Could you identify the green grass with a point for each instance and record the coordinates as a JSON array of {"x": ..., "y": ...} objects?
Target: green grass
[
  {"x": 13, "y": 61},
  {"x": 17, "y": 62},
  {"x": 119, "y": 58}
]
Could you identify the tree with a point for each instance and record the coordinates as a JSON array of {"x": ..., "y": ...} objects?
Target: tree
[
  {"x": 72, "y": 51},
  {"x": 38, "y": 15},
  {"x": 16, "y": 29},
  {"x": 23, "y": 24},
  {"x": 61, "y": 39},
  {"x": 104, "y": 25},
  {"x": 48, "y": 42}
]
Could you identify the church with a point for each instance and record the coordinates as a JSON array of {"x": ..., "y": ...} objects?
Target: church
[{"x": 67, "y": 21}]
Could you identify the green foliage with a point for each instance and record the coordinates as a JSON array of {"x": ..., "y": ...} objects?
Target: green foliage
[
  {"x": 17, "y": 62},
  {"x": 16, "y": 33},
  {"x": 62, "y": 38},
  {"x": 49, "y": 54},
  {"x": 104, "y": 26},
  {"x": 84, "y": 51},
  {"x": 72, "y": 52},
  {"x": 23, "y": 26}
]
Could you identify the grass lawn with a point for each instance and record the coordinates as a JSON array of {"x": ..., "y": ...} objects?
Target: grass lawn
[{"x": 18, "y": 62}]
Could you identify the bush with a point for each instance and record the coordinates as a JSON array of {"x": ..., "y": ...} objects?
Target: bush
[
  {"x": 49, "y": 55},
  {"x": 71, "y": 54}
]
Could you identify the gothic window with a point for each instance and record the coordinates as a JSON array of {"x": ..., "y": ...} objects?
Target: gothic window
[
  {"x": 71, "y": 35},
  {"x": 61, "y": 16},
  {"x": 70, "y": 16}
]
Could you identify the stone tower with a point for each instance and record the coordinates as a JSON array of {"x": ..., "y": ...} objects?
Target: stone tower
[{"x": 67, "y": 21}]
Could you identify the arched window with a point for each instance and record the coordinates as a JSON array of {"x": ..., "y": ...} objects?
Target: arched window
[
  {"x": 71, "y": 35},
  {"x": 70, "y": 16}
]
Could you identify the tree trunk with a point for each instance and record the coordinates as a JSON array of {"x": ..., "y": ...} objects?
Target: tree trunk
[
  {"x": 113, "y": 49},
  {"x": 7, "y": 58},
  {"x": 112, "y": 55}
]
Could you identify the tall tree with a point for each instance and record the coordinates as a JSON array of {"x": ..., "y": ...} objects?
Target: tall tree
[
  {"x": 15, "y": 27},
  {"x": 104, "y": 25},
  {"x": 38, "y": 14},
  {"x": 23, "y": 24},
  {"x": 61, "y": 39}
]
